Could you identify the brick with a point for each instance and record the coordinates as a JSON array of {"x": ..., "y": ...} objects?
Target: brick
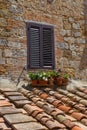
[{"x": 18, "y": 118}]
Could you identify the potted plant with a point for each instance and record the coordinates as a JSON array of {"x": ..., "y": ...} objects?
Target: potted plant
[
  {"x": 45, "y": 78},
  {"x": 41, "y": 78},
  {"x": 57, "y": 78},
  {"x": 34, "y": 78},
  {"x": 65, "y": 78}
]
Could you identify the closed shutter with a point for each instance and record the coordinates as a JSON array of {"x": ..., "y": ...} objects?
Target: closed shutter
[
  {"x": 40, "y": 46},
  {"x": 47, "y": 48},
  {"x": 34, "y": 47}
]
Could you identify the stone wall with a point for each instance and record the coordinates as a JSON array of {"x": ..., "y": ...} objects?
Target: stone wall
[{"x": 69, "y": 18}]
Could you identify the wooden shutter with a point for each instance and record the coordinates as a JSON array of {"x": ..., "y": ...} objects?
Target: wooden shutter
[
  {"x": 40, "y": 46},
  {"x": 34, "y": 47},
  {"x": 48, "y": 47}
]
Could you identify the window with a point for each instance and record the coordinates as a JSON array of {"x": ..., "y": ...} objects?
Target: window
[{"x": 40, "y": 46}]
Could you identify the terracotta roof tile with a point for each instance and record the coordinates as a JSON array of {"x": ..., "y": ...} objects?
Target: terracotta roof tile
[
  {"x": 85, "y": 91},
  {"x": 56, "y": 113},
  {"x": 76, "y": 128},
  {"x": 57, "y": 103},
  {"x": 77, "y": 115},
  {"x": 8, "y": 110},
  {"x": 64, "y": 108},
  {"x": 43, "y": 96},
  {"x": 5, "y": 126},
  {"x": 49, "y": 109},
  {"x": 12, "y": 94},
  {"x": 69, "y": 124},
  {"x": 84, "y": 121},
  {"x": 58, "y": 96},
  {"x": 1, "y": 120},
  {"x": 30, "y": 125},
  {"x": 16, "y": 98},
  {"x": 4, "y": 103},
  {"x": 52, "y": 125},
  {"x": 84, "y": 102},
  {"x": 40, "y": 104},
  {"x": 51, "y": 99},
  {"x": 21, "y": 103}
]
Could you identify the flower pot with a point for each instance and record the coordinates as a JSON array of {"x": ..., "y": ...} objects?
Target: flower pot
[
  {"x": 43, "y": 82},
  {"x": 58, "y": 81},
  {"x": 34, "y": 82},
  {"x": 64, "y": 81}
]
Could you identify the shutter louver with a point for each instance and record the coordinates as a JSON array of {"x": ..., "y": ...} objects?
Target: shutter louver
[
  {"x": 47, "y": 47},
  {"x": 34, "y": 47}
]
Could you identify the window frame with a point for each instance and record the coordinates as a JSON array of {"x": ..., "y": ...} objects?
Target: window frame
[{"x": 40, "y": 26}]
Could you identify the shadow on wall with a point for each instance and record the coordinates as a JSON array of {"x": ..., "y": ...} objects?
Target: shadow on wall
[{"x": 83, "y": 63}]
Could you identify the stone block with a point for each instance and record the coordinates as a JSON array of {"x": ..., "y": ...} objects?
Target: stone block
[
  {"x": 2, "y": 61},
  {"x": 63, "y": 45},
  {"x": 71, "y": 19},
  {"x": 69, "y": 39},
  {"x": 68, "y": 54},
  {"x": 8, "y": 53},
  {"x": 63, "y": 32},
  {"x": 3, "y": 22},
  {"x": 14, "y": 44},
  {"x": 2, "y": 69},
  {"x": 77, "y": 34},
  {"x": 76, "y": 26},
  {"x": 0, "y": 53},
  {"x": 68, "y": 32},
  {"x": 73, "y": 47},
  {"x": 66, "y": 24},
  {"x": 81, "y": 40},
  {"x": 3, "y": 42}
]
